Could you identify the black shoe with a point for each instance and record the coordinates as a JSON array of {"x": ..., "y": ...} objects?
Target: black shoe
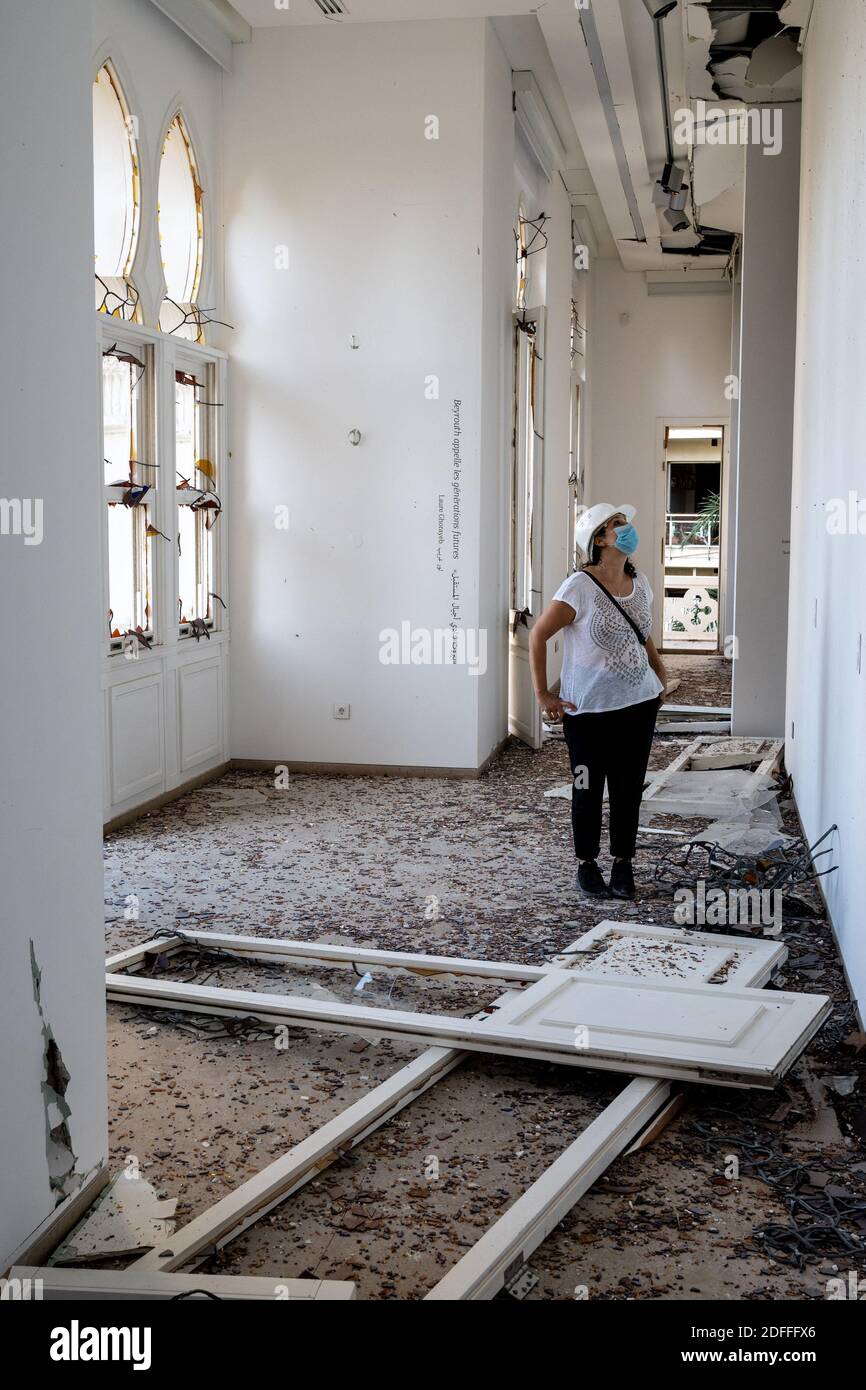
[
  {"x": 589, "y": 879},
  {"x": 621, "y": 879}
]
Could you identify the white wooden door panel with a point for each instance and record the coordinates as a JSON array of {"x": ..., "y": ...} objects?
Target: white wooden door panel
[
  {"x": 747, "y": 1034},
  {"x": 637, "y": 952},
  {"x": 136, "y": 738},
  {"x": 481, "y": 1272},
  {"x": 199, "y": 691}
]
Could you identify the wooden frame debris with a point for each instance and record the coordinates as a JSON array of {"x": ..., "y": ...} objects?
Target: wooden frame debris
[
  {"x": 752, "y": 1046},
  {"x": 703, "y": 747},
  {"x": 276, "y": 951},
  {"x": 637, "y": 1111},
  {"x": 484, "y": 1269},
  {"x": 695, "y": 726},
  {"x": 767, "y": 752},
  {"x": 253, "y": 1199},
  {"x": 759, "y": 959},
  {"x": 716, "y": 711},
  {"x": 542, "y": 1206},
  {"x": 240, "y": 1208},
  {"x": 56, "y": 1284}
]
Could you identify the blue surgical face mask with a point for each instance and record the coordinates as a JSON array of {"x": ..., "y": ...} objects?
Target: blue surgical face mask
[{"x": 627, "y": 539}]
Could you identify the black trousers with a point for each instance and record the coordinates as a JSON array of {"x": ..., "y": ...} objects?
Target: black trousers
[{"x": 613, "y": 746}]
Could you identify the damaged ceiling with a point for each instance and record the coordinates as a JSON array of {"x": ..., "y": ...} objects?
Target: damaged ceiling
[
  {"x": 753, "y": 48},
  {"x": 673, "y": 199},
  {"x": 674, "y": 209},
  {"x": 734, "y": 55}
]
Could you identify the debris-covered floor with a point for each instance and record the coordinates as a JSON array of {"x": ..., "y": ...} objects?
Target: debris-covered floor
[{"x": 745, "y": 1195}]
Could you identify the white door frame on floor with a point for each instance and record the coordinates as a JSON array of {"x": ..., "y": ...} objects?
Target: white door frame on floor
[
  {"x": 596, "y": 1022},
  {"x": 507, "y": 1245},
  {"x": 710, "y": 744},
  {"x": 56, "y": 1284},
  {"x": 751, "y": 962}
]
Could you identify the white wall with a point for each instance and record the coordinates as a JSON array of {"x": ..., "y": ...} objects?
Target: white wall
[
  {"x": 766, "y": 374},
  {"x": 670, "y": 359},
  {"x": 50, "y": 860},
  {"x": 826, "y": 715},
  {"x": 386, "y": 234},
  {"x": 165, "y": 715}
]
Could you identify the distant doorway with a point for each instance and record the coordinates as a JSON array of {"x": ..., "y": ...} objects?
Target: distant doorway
[{"x": 691, "y": 546}]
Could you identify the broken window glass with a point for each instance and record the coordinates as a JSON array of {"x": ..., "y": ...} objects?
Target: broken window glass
[
  {"x": 116, "y": 188},
  {"x": 198, "y": 501},
  {"x": 181, "y": 234}
]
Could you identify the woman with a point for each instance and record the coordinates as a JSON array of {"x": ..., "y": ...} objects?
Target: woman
[{"x": 612, "y": 685}]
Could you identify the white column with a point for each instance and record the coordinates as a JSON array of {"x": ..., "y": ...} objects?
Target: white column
[
  {"x": 766, "y": 414},
  {"x": 52, "y": 1136}
]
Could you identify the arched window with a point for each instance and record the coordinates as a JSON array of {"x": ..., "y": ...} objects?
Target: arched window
[
  {"x": 116, "y": 197},
  {"x": 180, "y": 233}
]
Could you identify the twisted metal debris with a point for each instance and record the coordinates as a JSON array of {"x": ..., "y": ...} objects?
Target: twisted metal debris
[
  {"x": 821, "y": 1218},
  {"x": 684, "y": 864}
]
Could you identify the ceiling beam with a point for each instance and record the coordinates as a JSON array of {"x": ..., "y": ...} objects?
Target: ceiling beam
[
  {"x": 588, "y": 49},
  {"x": 213, "y": 24}
]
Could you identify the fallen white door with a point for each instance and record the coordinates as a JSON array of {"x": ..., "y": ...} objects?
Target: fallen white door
[
  {"x": 740, "y": 1037},
  {"x": 652, "y": 1028},
  {"x": 613, "y": 948},
  {"x": 636, "y": 952},
  {"x": 633, "y": 951}
]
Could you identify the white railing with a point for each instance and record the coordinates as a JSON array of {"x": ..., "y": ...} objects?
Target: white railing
[{"x": 686, "y": 533}]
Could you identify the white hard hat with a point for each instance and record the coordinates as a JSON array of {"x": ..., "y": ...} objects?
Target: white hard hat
[{"x": 596, "y": 516}]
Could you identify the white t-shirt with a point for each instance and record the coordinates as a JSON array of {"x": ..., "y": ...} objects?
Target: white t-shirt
[{"x": 604, "y": 666}]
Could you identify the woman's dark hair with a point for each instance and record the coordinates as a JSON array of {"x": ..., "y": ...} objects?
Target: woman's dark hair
[{"x": 595, "y": 555}]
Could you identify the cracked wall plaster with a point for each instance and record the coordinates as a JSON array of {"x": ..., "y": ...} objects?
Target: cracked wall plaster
[{"x": 62, "y": 1162}]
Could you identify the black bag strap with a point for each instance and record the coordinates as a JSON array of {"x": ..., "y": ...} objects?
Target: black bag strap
[{"x": 632, "y": 624}]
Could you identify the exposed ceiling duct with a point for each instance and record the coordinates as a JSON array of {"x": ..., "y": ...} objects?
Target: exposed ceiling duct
[
  {"x": 671, "y": 191},
  {"x": 743, "y": 53},
  {"x": 713, "y": 241}
]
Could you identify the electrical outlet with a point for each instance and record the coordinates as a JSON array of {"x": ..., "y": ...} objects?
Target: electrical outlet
[{"x": 342, "y": 711}]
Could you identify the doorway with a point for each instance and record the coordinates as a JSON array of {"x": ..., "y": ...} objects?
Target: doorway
[{"x": 693, "y": 481}]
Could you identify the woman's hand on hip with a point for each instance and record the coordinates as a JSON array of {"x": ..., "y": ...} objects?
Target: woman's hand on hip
[{"x": 552, "y": 707}]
